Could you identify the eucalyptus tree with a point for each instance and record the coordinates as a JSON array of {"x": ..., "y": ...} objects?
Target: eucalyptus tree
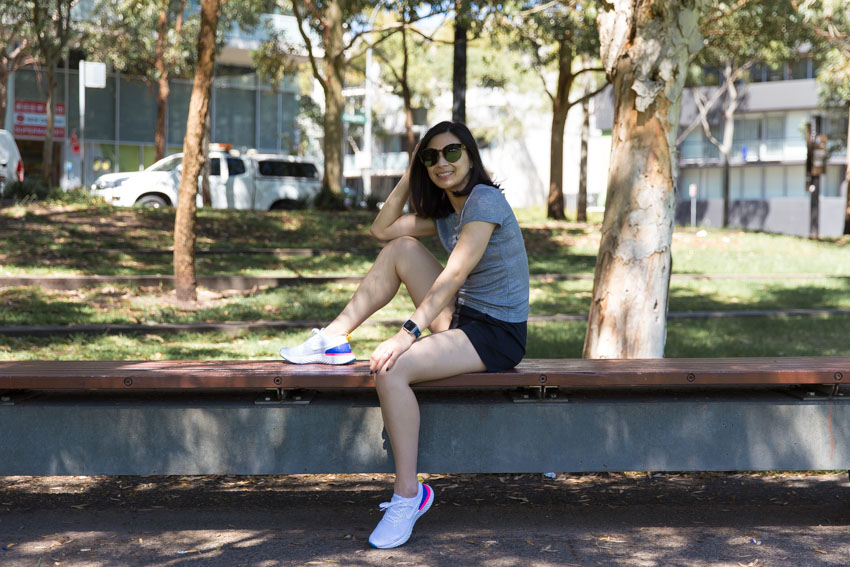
[
  {"x": 402, "y": 54},
  {"x": 645, "y": 47},
  {"x": 194, "y": 155},
  {"x": 330, "y": 19},
  {"x": 16, "y": 47},
  {"x": 558, "y": 36},
  {"x": 53, "y": 29},
  {"x": 751, "y": 32}
]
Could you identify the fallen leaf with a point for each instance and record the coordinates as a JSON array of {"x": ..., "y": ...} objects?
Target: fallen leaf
[{"x": 820, "y": 551}]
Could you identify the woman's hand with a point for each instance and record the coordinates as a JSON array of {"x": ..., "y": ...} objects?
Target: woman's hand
[{"x": 387, "y": 353}]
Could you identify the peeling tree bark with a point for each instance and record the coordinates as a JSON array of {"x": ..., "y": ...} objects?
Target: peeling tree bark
[
  {"x": 185, "y": 282},
  {"x": 645, "y": 47}
]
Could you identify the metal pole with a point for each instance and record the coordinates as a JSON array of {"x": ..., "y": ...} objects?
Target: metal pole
[
  {"x": 814, "y": 207},
  {"x": 82, "y": 89}
]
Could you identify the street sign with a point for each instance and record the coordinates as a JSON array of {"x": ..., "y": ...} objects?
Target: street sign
[{"x": 354, "y": 117}]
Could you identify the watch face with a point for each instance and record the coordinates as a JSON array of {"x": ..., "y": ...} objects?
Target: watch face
[{"x": 411, "y": 327}]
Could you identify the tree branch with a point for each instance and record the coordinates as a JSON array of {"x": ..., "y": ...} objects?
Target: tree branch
[{"x": 300, "y": 21}]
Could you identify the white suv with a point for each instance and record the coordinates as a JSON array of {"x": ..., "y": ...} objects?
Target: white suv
[
  {"x": 237, "y": 181},
  {"x": 11, "y": 164}
]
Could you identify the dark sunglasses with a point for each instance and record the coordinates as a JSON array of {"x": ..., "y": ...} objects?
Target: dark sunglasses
[{"x": 452, "y": 153}]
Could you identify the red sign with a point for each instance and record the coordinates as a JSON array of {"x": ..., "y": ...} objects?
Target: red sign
[
  {"x": 75, "y": 142},
  {"x": 31, "y": 119}
]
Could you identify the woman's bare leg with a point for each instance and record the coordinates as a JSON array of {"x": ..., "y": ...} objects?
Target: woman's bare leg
[
  {"x": 435, "y": 356},
  {"x": 403, "y": 260}
]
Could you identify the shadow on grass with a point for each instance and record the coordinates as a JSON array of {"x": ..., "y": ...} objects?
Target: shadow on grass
[
  {"x": 75, "y": 239},
  {"x": 30, "y": 306}
]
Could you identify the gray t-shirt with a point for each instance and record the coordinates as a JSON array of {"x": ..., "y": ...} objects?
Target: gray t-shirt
[{"x": 498, "y": 285}]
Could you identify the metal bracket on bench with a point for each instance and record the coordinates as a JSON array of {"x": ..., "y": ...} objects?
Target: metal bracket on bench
[
  {"x": 12, "y": 397},
  {"x": 815, "y": 392},
  {"x": 550, "y": 394},
  {"x": 285, "y": 396}
]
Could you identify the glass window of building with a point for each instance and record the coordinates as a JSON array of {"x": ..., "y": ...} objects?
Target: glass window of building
[
  {"x": 178, "y": 111},
  {"x": 751, "y": 183},
  {"x": 713, "y": 182},
  {"x": 100, "y": 109},
  {"x": 830, "y": 184},
  {"x": 774, "y": 181},
  {"x": 138, "y": 111},
  {"x": 269, "y": 139},
  {"x": 795, "y": 181},
  {"x": 235, "y": 117}
]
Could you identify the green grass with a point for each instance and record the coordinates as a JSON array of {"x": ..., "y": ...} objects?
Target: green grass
[
  {"x": 89, "y": 238},
  {"x": 775, "y": 336}
]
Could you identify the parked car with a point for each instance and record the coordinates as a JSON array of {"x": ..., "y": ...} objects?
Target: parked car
[
  {"x": 237, "y": 181},
  {"x": 11, "y": 164}
]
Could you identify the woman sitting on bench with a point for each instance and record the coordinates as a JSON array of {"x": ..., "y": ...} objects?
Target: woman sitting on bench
[{"x": 476, "y": 307}]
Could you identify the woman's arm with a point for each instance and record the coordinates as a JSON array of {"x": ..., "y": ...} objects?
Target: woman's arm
[
  {"x": 391, "y": 223},
  {"x": 470, "y": 246}
]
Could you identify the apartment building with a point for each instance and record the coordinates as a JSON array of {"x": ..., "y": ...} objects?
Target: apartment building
[{"x": 767, "y": 186}]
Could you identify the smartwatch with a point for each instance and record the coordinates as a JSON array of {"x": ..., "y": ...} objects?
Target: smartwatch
[{"x": 412, "y": 328}]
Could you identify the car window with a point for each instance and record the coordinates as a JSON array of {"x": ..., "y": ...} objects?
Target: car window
[
  {"x": 309, "y": 170},
  {"x": 215, "y": 166},
  {"x": 279, "y": 168},
  {"x": 167, "y": 164},
  {"x": 235, "y": 166}
]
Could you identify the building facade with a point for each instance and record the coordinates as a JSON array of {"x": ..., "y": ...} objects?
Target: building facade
[
  {"x": 120, "y": 119},
  {"x": 767, "y": 182}
]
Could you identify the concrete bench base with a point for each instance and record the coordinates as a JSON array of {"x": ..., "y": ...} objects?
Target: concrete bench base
[{"x": 141, "y": 433}]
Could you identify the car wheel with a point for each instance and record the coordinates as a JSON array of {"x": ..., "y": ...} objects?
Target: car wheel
[
  {"x": 151, "y": 201},
  {"x": 285, "y": 205}
]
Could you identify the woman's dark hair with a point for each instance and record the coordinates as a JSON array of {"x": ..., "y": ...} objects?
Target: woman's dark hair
[{"x": 430, "y": 201}]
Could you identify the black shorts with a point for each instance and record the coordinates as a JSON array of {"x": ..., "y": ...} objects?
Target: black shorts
[{"x": 500, "y": 344}]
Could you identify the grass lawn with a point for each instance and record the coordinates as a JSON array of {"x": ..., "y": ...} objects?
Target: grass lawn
[{"x": 96, "y": 239}]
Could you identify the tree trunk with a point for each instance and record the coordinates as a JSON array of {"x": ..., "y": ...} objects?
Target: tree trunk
[
  {"x": 459, "y": 74},
  {"x": 206, "y": 196},
  {"x": 581, "y": 205},
  {"x": 555, "y": 203},
  {"x": 334, "y": 102},
  {"x": 645, "y": 48},
  {"x": 47, "y": 149},
  {"x": 409, "y": 137},
  {"x": 161, "y": 93},
  {"x": 847, "y": 179},
  {"x": 161, "y": 114},
  {"x": 185, "y": 282},
  {"x": 560, "y": 109}
]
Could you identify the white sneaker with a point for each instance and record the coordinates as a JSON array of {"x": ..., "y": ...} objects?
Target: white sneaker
[
  {"x": 400, "y": 514},
  {"x": 320, "y": 348}
]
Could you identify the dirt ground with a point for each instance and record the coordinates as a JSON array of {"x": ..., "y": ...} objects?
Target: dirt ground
[{"x": 629, "y": 519}]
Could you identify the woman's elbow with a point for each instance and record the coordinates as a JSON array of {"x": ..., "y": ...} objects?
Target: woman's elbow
[{"x": 379, "y": 233}]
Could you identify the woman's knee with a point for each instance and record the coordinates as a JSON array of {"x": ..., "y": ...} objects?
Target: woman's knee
[
  {"x": 389, "y": 381},
  {"x": 401, "y": 246}
]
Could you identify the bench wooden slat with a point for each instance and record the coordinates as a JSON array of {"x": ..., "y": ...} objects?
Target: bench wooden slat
[{"x": 260, "y": 374}]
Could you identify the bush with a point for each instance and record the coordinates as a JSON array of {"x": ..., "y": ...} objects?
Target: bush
[
  {"x": 328, "y": 201},
  {"x": 30, "y": 189}
]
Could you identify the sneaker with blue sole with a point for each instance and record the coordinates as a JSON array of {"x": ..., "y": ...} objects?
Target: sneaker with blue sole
[
  {"x": 400, "y": 514},
  {"x": 320, "y": 348}
]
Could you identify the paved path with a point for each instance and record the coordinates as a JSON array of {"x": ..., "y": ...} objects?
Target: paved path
[{"x": 699, "y": 520}]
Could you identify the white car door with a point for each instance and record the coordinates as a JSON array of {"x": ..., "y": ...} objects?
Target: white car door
[{"x": 218, "y": 183}]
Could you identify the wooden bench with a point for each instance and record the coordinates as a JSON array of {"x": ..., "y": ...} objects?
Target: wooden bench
[{"x": 204, "y": 417}]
